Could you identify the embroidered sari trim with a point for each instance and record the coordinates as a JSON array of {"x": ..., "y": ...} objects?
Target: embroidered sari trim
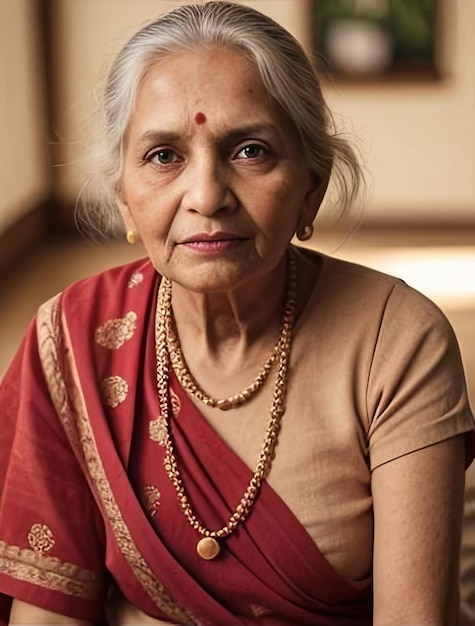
[
  {"x": 69, "y": 402},
  {"x": 46, "y": 571}
]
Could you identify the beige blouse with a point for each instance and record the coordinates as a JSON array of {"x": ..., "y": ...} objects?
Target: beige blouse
[{"x": 375, "y": 374}]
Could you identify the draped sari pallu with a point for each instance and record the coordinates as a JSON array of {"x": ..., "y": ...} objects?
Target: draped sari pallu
[{"x": 269, "y": 570}]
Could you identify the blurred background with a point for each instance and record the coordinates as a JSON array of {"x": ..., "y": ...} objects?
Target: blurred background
[{"x": 400, "y": 77}]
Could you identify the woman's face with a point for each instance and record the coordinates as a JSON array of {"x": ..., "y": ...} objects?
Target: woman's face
[{"x": 214, "y": 179}]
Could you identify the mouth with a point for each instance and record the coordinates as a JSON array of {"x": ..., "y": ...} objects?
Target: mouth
[
  {"x": 211, "y": 237},
  {"x": 212, "y": 242}
]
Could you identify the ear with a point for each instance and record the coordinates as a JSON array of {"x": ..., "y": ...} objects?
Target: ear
[
  {"x": 313, "y": 200},
  {"x": 127, "y": 218}
]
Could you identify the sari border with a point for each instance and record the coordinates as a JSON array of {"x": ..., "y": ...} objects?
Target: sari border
[
  {"x": 56, "y": 354},
  {"x": 49, "y": 572}
]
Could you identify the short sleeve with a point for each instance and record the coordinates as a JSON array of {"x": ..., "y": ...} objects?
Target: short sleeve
[
  {"x": 52, "y": 539},
  {"x": 416, "y": 391}
]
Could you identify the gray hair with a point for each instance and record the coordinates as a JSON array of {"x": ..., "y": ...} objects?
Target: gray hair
[{"x": 288, "y": 75}]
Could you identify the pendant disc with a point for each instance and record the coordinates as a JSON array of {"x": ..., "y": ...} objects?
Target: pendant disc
[{"x": 208, "y": 548}]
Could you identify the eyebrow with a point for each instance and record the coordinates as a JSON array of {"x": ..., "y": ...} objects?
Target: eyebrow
[
  {"x": 155, "y": 136},
  {"x": 152, "y": 137},
  {"x": 250, "y": 130}
]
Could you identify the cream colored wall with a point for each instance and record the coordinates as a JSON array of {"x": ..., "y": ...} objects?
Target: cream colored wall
[
  {"x": 88, "y": 34},
  {"x": 419, "y": 139},
  {"x": 24, "y": 164}
]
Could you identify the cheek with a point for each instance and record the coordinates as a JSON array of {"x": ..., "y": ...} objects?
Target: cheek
[
  {"x": 284, "y": 184},
  {"x": 283, "y": 201},
  {"x": 148, "y": 209}
]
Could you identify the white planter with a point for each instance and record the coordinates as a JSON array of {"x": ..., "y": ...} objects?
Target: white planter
[{"x": 358, "y": 48}]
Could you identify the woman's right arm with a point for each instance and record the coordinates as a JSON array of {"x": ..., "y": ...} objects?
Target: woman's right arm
[
  {"x": 52, "y": 534},
  {"x": 25, "y": 613}
]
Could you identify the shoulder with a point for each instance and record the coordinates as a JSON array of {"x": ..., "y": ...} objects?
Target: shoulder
[
  {"x": 111, "y": 294},
  {"x": 360, "y": 292},
  {"x": 348, "y": 276},
  {"x": 112, "y": 285},
  {"x": 113, "y": 281},
  {"x": 367, "y": 313}
]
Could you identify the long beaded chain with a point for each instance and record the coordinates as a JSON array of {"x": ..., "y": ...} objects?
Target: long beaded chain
[{"x": 208, "y": 546}]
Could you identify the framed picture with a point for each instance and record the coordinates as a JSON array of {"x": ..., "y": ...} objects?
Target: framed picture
[{"x": 361, "y": 39}]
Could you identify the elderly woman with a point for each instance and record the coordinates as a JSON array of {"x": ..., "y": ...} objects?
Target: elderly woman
[{"x": 235, "y": 430}]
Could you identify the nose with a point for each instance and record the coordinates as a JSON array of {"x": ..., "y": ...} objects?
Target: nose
[{"x": 208, "y": 188}]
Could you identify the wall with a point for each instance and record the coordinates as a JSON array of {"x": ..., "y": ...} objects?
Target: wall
[
  {"x": 24, "y": 154},
  {"x": 418, "y": 139}
]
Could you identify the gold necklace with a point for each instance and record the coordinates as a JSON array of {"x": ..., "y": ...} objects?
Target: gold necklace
[
  {"x": 208, "y": 546},
  {"x": 186, "y": 378},
  {"x": 188, "y": 382}
]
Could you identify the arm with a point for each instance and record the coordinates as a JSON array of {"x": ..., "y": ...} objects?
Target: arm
[
  {"x": 418, "y": 505},
  {"x": 24, "y": 613},
  {"x": 467, "y": 563},
  {"x": 52, "y": 536}
]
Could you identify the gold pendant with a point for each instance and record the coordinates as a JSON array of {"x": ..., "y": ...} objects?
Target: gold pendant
[{"x": 208, "y": 548}]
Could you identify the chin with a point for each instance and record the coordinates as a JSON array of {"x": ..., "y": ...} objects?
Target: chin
[{"x": 213, "y": 279}]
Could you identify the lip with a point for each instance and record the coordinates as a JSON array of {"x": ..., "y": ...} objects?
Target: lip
[
  {"x": 211, "y": 237},
  {"x": 212, "y": 244}
]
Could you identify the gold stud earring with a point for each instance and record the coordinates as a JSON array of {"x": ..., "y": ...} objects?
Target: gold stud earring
[
  {"x": 304, "y": 233},
  {"x": 132, "y": 237}
]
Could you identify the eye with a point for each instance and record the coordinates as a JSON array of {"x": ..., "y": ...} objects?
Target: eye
[
  {"x": 251, "y": 151},
  {"x": 162, "y": 157}
]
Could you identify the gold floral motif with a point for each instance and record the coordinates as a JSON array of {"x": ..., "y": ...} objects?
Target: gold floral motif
[
  {"x": 114, "y": 391},
  {"x": 135, "y": 280},
  {"x": 40, "y": 538},
  {"x": 157, "y": 430},
  {"x": 175, "y": 402},
  {"x": 151, "y": 499},
  {"x": 48, "y": 572},
  {"x": 114, "y": 333}
]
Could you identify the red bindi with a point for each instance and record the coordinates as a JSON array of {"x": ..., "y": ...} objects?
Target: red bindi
[{"x": 200, "y": 118}]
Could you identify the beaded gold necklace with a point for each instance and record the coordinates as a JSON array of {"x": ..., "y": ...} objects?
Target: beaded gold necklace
[
  {"x": 188, "y": 382},
  {"x": 208, "y": 546}
]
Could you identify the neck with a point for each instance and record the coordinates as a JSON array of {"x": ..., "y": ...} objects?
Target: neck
[{"x": 233, "y": 319}]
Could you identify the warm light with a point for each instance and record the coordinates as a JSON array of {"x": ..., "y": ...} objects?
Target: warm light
[{"x": 444, "y": 274}]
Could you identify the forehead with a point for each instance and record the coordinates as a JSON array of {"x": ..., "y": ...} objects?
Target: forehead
[{"x": 220, "y": 83}]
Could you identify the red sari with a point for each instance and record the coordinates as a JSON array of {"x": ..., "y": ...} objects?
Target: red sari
[
  {"x": 86, "y": 503},
  {"x": 97, "y": 504}
]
